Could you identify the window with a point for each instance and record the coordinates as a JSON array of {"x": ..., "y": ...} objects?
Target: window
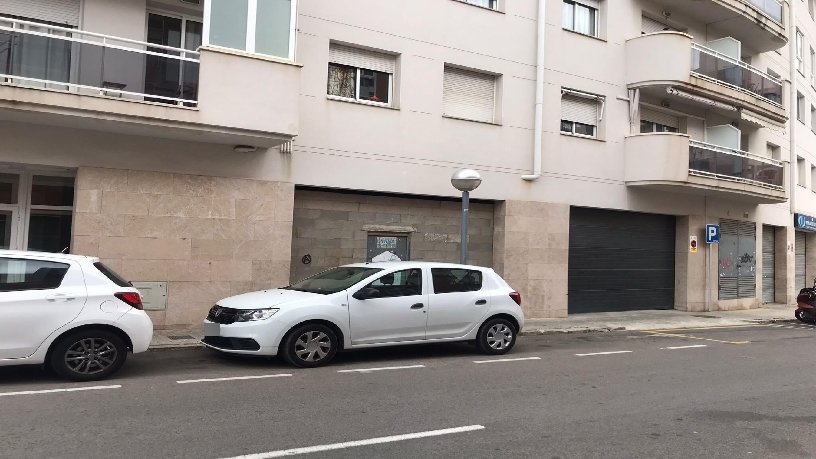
[
  {"x": 649, "y": 25},
  {"x": 813, "y": 178},
  {"x": 654, "y": 121},
  {"x": 800, "y": 52},
  {"x": 581, "y": 17},
  {"x": 19, "y": 274},
  {"x": 360, "y": 74},
  {"x": 469, "y": 95},
  {"x": 112, "y": 275},
  {"x": 579, "y": 113},
  {"x": 450, "y": 280},
  {"x": 800, "y": 107},
  {"x": 492, "y": 4},
  {"x": 36, "y": 211},
  {"x": 407, "y": 282},
  {"x": 812, "y": 67},
  {"x": 255, "y": 26},
  {"x": 334, "y": 280},
  {"x": 774, "y": 151},
  {"x": 813, "y": 118},
  {"x": 801, "y": 172},
  {"x": 811, "y": 5}
]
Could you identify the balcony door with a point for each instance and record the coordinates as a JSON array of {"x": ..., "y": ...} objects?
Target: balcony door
[
  {"x": 36, "y": 210},
  {"x": 168, "y": 77}
]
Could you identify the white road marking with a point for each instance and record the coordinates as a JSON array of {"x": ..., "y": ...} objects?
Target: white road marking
[
  {"x": 507, "y": 360},
  {"x": 353, "y": 444},
  {"x": 234, "y": 378},
  {"x": 53, "y": 391},
  {"x": 693, "y": 346},
  {"x": 604, "y": 353},
  {"x": 367, "y": 370}
]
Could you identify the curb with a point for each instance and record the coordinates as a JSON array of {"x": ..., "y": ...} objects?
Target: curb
[{"x": 603, "y": 329}]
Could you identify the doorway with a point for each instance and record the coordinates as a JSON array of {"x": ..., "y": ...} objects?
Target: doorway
[{"x": 169, "y": 77}]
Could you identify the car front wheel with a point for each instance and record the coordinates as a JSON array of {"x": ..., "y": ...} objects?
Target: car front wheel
[
  {"x": 310, "y": 345},
  {"x": 497, "y": 336},
  {"x": 88, "y": 355}
]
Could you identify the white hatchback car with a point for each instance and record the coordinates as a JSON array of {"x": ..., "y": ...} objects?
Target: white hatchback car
[
  {"x": 368, "y": 305},
  {"x": 69, "y": 312}
]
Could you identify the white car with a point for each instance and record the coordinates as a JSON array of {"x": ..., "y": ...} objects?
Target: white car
[
  {"x": 368, "y": 305},
  {"x": 69, "y": 312}
]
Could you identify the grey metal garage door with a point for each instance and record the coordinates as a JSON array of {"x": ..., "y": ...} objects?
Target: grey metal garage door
[
  {"x": 768, "y": 264},
  {"x": 800, "y": 254},
  {"x": 620, "y": 261}
]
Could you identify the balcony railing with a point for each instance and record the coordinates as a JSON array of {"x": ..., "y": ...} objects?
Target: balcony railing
[
  {"x": 772, "y": 8},
  {"x": 739, "y": 166},
  {"x": 59, "y": 58},
  {"x": 713, "y": 65}
]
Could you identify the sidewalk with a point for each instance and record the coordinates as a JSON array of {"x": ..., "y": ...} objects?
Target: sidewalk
[{"x": 576, "y": 323}]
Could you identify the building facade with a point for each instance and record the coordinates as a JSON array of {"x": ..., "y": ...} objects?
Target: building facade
[{"x": 205, "y": 148}]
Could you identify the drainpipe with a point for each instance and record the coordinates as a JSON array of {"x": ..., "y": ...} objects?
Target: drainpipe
[
  {"x": 539, "y": 94},
  {"x": 794, "y": 103}
]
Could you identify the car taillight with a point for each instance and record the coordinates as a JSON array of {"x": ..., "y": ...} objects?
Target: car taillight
[
  {"x": 132, "y": 299},
  {"x": 516, "y": 296}
]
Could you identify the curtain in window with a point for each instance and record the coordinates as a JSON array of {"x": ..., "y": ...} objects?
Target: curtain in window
[
  {"x": 584, "y": 20},
  {"x": 342, "y": 81},
  {"x": 568, "y": 15}
]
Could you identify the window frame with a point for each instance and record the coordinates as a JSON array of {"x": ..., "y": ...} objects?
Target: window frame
[
  {"x": 493, "y": 4},
  {"x": 800, "y": 52},
  {"x": 654, "y": 128},
  {"x": 597, "y": 99},
  {"x": 391, "y": 273},
  {"x": 251, "y": 29},
  {"x": 481, "y": 280},
  {"x": 357, "y": 74},
  {"x": 596, "y": 16},
  {"x": 578, "y": 134},
  {"x": 10, "y": 260}
]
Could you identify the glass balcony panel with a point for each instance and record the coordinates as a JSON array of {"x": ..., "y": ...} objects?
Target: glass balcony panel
[
  {"x": 772, "y": 8},
  {"x": 735, "y": 73},
  {"x": 714, "y": 160}
]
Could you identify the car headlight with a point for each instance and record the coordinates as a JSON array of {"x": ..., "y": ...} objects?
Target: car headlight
[{"x": 250, "y": 315}]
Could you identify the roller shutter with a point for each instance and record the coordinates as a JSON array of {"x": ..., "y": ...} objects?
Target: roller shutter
[
  {"x": 579, "y": 109},
  {"x": 620, "y": 261},
  {"x": 470, "y": 95},
  {"x": 649, "y": 25},
  {"x": 768, "y": 264},
  {"x": 362, "y": 58},
  {"x": 659, "y": 117},
  {"x": 62, "y": 12},
  {"x": 801, "y": 256},
  {"x": 737, "y": 260}
]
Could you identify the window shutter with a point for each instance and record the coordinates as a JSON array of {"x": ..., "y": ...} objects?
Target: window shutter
[
  {"x": 469, "y": 95},
  {"x": 58, "y": 11},
  {"x": 579, "y": 109},
  {"x": 362, "y": 58},
  {"x": 649, "y": 25},
  {"x": 591, "y": 3},
  {"x": 659, "y": 118}
]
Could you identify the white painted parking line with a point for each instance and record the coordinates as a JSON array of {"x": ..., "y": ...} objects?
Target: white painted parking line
[
  {"x": 353, "y": 444},
  {"x": 367, "y": 370},
  {"x": 53, "y": 391},
  {"x": 693, "y": 346},
  {"x": 604, "y": 353},
  {"x": 507, "y": 360},
  {"x": 234, "y": 378}
]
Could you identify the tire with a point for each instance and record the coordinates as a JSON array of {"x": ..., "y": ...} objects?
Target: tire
[
  {"x": 310, "y": 345},
  {"x": 88, "y": 355},
  {"x": 496, "y": 336},
  {"x": 800, "y": 314}
]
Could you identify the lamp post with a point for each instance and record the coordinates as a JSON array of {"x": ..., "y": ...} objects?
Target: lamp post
[{"x": 465, "y": 180}]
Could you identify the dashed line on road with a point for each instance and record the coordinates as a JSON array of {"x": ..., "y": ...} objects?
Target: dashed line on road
[
  {"x": 603, "y": 353},
  {"x": 53, "y": 391},
  {"x": 368, "y": 370},
  {"x": 352, "y": 444},
  {"x": 519, "y": 359},
  {"x": 233, "y": 378},
  {"x": 693, "y": 346},
  {"x": 678, "y": 335}
]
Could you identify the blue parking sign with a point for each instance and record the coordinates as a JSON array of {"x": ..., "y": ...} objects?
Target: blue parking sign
[{"x": 713, "y": 234}]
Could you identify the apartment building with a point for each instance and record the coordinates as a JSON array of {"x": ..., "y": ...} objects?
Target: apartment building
[{"x": 206, "y": 148}]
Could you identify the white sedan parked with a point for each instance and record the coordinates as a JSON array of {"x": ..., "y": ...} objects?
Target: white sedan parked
[
  {"x": 69, "y": 312},
  {"x": 369, "y": 305}
]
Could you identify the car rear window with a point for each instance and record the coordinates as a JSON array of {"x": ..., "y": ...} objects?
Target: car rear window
[
  {"x": 18, "y": 274},
  {"x": 449, "y": 280},
  {"x": 112, "y": 275}
]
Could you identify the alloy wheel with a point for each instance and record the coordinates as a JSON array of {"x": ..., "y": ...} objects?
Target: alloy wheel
[
  {"x": 90, "y": 356},
  {"x": 313, "y": 346},
  {"x": 499, "y": 336}
]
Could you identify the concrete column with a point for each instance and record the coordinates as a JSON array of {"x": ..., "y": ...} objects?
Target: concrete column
[
  {"x": 531, "y": 250},
  {"x": 785, "y": 271},
  {"x": 690, "y": 283}
]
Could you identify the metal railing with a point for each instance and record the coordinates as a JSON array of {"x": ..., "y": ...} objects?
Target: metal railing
[
  {"x": 714, "y": 65},
  {"x": 59, "y": 58},
  {"x": 735, "y": 165},
  {"x": 771, "y": 8}
]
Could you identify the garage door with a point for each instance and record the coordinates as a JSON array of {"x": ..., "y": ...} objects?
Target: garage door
[
  {"x": 800, "y": 253},
  {"x": 620, "y": 261},
  {"x": 768, "y": 264}
]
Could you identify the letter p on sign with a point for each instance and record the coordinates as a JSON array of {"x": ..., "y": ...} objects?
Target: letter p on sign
[{"x": 712, "y": 234}]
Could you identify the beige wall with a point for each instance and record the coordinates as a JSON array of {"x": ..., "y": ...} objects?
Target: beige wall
[{"x": 208, "y": 238}]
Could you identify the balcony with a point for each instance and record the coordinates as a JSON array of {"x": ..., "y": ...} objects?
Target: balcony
[
  {"x": 758, "y": 24},
  {"x": 61, "y": 76},
  {"x": 674, "y": 162},
  {"x": 661, "y": 61}
]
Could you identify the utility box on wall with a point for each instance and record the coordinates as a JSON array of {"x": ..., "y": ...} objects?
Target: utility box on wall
[{"x": 154, "y": 295}]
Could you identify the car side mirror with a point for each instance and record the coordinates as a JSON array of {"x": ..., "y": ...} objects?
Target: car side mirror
[{"x": 366, "y": 294}]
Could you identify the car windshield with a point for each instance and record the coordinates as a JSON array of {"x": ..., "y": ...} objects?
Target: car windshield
[{"x": 333, "y": 280}]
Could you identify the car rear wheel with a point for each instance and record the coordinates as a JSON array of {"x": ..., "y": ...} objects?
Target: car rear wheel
[
  {"x": 310, "y": 345},
  {"x": 88, "y": 355},
  {"x": 497, "y": 336}
]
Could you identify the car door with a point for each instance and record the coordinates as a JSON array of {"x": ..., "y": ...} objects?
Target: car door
[
  {"x": 458, "y": 302},
  {"x": 397, "y": 314},
  {"x": 37, "y": 297}
]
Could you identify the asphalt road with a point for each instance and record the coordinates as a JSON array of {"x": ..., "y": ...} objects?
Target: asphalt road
[{"x": 738, "y": 392}]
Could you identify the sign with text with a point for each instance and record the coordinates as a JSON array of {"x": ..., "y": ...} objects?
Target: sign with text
[
  {"x": 712, "y": 234},
  {"x": 805, "y": 222}
]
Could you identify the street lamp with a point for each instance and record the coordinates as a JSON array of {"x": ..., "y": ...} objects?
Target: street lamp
[{"x": 465, "y": 180}]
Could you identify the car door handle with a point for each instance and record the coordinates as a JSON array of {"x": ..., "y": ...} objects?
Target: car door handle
[
  {"x": 59, "y": 297},
  {"x": 481, "y": 302},
  {"x": 417, "y": 306}
]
